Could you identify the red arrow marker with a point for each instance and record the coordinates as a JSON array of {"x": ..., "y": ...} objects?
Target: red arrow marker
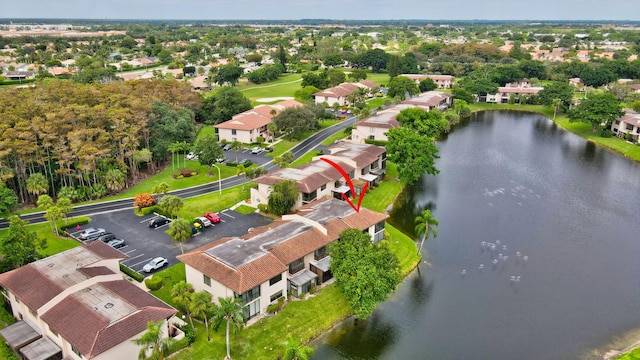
[{"x": 344, "y": 174}]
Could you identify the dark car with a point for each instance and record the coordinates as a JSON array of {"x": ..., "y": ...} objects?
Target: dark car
[
  {"x": 158, "y": 221},
  {"x": 245, "y": 162},
  {"x": 117, "y": 243},
  {"x": 107, "y": 237}
]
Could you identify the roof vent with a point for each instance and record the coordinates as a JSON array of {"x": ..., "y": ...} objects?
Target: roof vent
[
  {"x": 65, "y": 276},
  {"x": 50, "y": 264},
  {"x": 108, "y": 305},
  {"x": 86, "y": 289}
]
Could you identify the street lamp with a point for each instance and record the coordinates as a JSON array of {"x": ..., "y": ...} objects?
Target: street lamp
[{"x": 219, "y": 179}]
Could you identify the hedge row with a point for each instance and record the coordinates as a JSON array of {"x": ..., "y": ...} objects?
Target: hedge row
[
  {"x": 375, "y": 142},
  {"x": 137, "y": 277},
  {"x": 62, "y": 229}
]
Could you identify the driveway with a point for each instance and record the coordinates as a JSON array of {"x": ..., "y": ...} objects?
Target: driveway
[{"x": 144, "y": 243}]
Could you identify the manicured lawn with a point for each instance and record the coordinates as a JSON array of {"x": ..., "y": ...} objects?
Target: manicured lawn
[
  {"x": 384, "y": 194},
  {"x": 245, "y": 209},
  {"x": 376, "y": 102},
  {"x": 206, "y": 130},
  {"x": 55, "y": 244},
  {"x": 305, "y": 158},
  {"x": 170, "y": 276},
  {"x": 333, "y": 138},
  {"x": 286, "y": 85},
  {"x": 282, "y": 147},
  {"x": 214, "y": 202},
  {"x": 404, "y": 248},
  {"x": 634, "y": 355},
  {"x": 379, "y": 78}
]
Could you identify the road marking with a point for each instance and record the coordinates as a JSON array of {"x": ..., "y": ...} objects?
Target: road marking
[
  {"x": 225, "y": 214},
  {"x": 133, "y": 258},
  {"x": 130, "y": 251},
  {"x": 141, "y": 262},
  {"x": 156, "y": 228},
  {"x": 148, "y": 219}
]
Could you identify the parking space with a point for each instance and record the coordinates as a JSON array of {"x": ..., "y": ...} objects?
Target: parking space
[
  {"x": 259, "y": 158},
  {"x": 144, "y": 243}
]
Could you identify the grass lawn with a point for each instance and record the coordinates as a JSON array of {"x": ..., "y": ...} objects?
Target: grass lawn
[
  {"x": 206, "y": 130},
  {"x": 55, "y": 244},
  {"x": 384, "y": 194},
  {"x": 245, "y": 209},
  {"x": 195, "y": 206},
  {"x": 633, "y": 355},
  {"x": 404, "y": 248},
  {"x": 379, "y": 78},
  {"x": 282, "y": 147},
  {"x": 170, "y": 276},
  {"x": 376, "y": 102},
  {"x": 305, "y": 158},
  {"x": 286, "y": 85}
]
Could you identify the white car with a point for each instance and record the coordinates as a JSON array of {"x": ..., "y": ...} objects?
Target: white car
[
  {"x": 191, "y": 156},
  {"x": 256, "y": 150},
  {"x": 203, "y": 221},
  {"x": 155, "y": 264}
]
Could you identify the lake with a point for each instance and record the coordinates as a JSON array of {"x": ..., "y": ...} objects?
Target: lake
[{"x": 543, "y": 224}]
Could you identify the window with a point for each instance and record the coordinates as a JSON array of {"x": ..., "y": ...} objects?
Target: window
[
  {"x": 206, "y": 279},
  {"x": 380, "y": 226},
  {"x": 276, "y": 279},
  {"x": 76, "y": 351},
  {"x": 276, "y": 296},
  {"x": 629, "y": 127},
  {"x": 372, "y": 137},
  {"x": 320, "y": 253},
  {"x": 617, "y": 122},
  {"x": 296, "y": 266},
  {"x": 250, "y": 295},
  {"x": 233, "y": 132},
  {"x": 323, "y": 187},
  {"x": 309, "y": 197}
]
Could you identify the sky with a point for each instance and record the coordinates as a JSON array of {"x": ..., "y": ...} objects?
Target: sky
[{"x": 325, "y": 9}]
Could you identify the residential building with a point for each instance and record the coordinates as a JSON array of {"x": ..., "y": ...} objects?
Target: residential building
[
  {"x": 77, "y": 305},
  {"x": 318, "y": 179},
  {"x": 247, "y": 126},
  {"x": 376, "y": 126},
  {"x": 338, "y": 94},
  {"x": 19, "y": 75},
  {"x": 431, "y": 100},
  {"x": 443, "y": 81},
  {"x": 635, "y": 87},
  {"x": 287, "y": 256},
  {"x": 628, "y": 126},
  {"x": 518, "y": 91}
]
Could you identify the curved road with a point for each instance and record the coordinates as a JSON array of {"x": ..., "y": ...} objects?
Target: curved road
[{"x": 300, "y": 149}]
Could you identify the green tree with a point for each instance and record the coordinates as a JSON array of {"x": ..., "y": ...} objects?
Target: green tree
[
  {"x": 235, "y": 147},
  {"x": 294, "y": 350},
  {"x": 114, "y": 179},
  {"x": 427, "y": 123},
  {"x": 414, "y": 154},
  {"x": 202, "y": 308},
  {"x": 296, "y": 120},
  {"x": 180, "y": 231},
  {"x": 427, "y": 85},
  {"x": 53, "y": 215},
  {"x": 231, "y": 311},
  {"x": 284, "y": 160},
  {"x": 208, "y": 151},
  {"x": 171, "y": 205},
  {"x": 335, "y": 76},
  {"x": 153, "y": 340},
  {"x": 400, "y": 86},
  {"x": 19, "y": 245},
  {"x": 229, "y": 73},
  {"x": 228, "y": 101},
  {"x": 65, "y": 206},
  {"x": 8, "y": 199},
  {"x": 599, "y": 110},
  {"x": 37, "y": 184},
  {"x": 425, "y": 226},
  {"x": 283, "y": 197},
  {"x": 365, "y": 273},
  {"x": 161, "y": 188},
  {"x": 393, "y": 67},
  {"x": 557, "y": 90},
  {"x": 305, "y": 94},
  {"x": 181, "y": 295}
]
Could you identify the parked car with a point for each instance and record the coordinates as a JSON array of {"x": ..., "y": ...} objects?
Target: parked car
[
  {"x": 213, "y": 217},
  {"x": 107, "y": 237},
  {"x": 155, "y": 264},
  {"x": 256, "y": 150},
  {"x": 204, "y": 221},
  {"x": 116, "y": 243},
  {"x": 245, "y": 162},
  {"x": 221, "y": 159},
  {"x": 222, "y": 145},
  {"x": 196, "y": 227},
  {"x": 191, "y": 156},
  {"x": 226, "y": 147},
  {"x": 158, "y": 221},
  {"x": 91, "y": 233}
]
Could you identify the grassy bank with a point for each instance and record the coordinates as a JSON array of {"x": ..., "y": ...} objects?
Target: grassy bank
[{"x": 55, "y": 244}]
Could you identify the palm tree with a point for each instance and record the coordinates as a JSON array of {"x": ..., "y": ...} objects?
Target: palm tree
[
  {"x": 114, "y": 179},
  {"x": 201, "y": 307},
  {"x": 296, "y": 351},
  {"x": 153, "y": 340},
  {"x": 235, "y": 146},
  {"x": 171, "y": 204},
  {"x": 181, "y": 294},
  {"x": 161, "y": 188},
  {"x": 556, "y": 102},
  {"x": 272, "y": 128},
  {"x": 37, "y": 184},
  {"x": 425, "y": 225},
  {"x": 180, "y": 231},
  {"x": 173, "y": 148},
  {"x": 241, "y": 170},
  {"x": 231, "y": 311}
]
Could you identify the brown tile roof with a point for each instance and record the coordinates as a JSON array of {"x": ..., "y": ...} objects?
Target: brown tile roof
[
  {"x": 342, "y": 90},
  {"x": 245, "y": 121},
  {"x": 370, "y": 84},
  {"x": 95, "y": 271},
  {"x": 429, "y": 98},
  {"x": 427, "y": 76},
  {"x": 364, "y": 218},
  {"x": 519, "y": 90},
  {"x": 32, "y": 287},
  {"x": 309, "y": 177},
  {"x": 362, "y": 154},
  {"x": 91, "y": 333},
  {"x": 105, "y": 251}
]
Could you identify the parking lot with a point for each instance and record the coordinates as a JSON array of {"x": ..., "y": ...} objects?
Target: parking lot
[
  {"x": 144, "y": 243},
  {"x": 259, "y": 159}
]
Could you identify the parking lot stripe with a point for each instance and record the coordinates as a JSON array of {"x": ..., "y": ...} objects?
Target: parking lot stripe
[
  {"x": 223, "y": 213},
  {"x": 141, "y": 262},
  {"x": 130, "y": 251},
  {"x": 133, "y": 258}
]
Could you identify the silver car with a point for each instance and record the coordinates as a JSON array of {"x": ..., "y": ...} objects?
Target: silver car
[{"x": 91, "y": 233}]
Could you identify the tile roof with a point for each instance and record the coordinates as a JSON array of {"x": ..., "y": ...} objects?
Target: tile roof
[
  {"x": 309, "y": 177},
  {"x": 342, "y": 90},
  {"x": 32, "y": 287},
  {"x": 428, "y": 76},
  {"x": 362, "y": 154},
  {"x": 428, "y": 99},
  {"x": 256, "y": 117},
  {"x": 268, "y": 250},
  {"x": 105, "y": 251}
]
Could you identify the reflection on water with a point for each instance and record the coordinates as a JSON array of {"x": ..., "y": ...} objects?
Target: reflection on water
[{"x": 536, "y": 254}]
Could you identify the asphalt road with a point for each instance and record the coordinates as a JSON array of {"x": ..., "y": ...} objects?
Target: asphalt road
[
  {"x": 108, "y": 206},
  {"x": 144, "y": 243}
]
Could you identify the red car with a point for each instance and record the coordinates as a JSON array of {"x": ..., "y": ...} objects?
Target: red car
[{"x": 213, "y": 217}]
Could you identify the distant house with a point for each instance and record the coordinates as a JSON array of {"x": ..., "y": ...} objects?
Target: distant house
[
  {"x": 317, "y": 179},
  {"x": 517, "y": 90},
  {"x": 338, "y": 94},
  {"x": 430, "y": 100},
  {"x": 57, "y": 71},
  {"x": 199, "y": 83},
  {"x": 376, "y": 127},
  {"x": 77, "y": 305},
  {"x": 288, "y": 256},
  {"x": 442, "y": 81},
  {"x": 19, "y": 75},
  {"x": 628, "y": 126},
  {"x": 635, "y": 87},
  {"x": 247, "y": 126}
]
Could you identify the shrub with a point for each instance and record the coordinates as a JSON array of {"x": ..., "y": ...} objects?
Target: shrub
[
  {"x": 154, "y": 283},
  {"x": 186, "y": 173},
  {"x": 606, "y": 133},
  {"x": 189, "y": 334},
  {"x": 232, "y": 164},
  {"x": 313, "y": 288},
  {"x": 262, "y": 207},
  {"x": 131, "y": 273},
  {"x": 143, "y": 200},
  {"x": 375, "y": 142},
  {"x": 273, "y": 308},
  {"x": 149, "y": 210}
]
